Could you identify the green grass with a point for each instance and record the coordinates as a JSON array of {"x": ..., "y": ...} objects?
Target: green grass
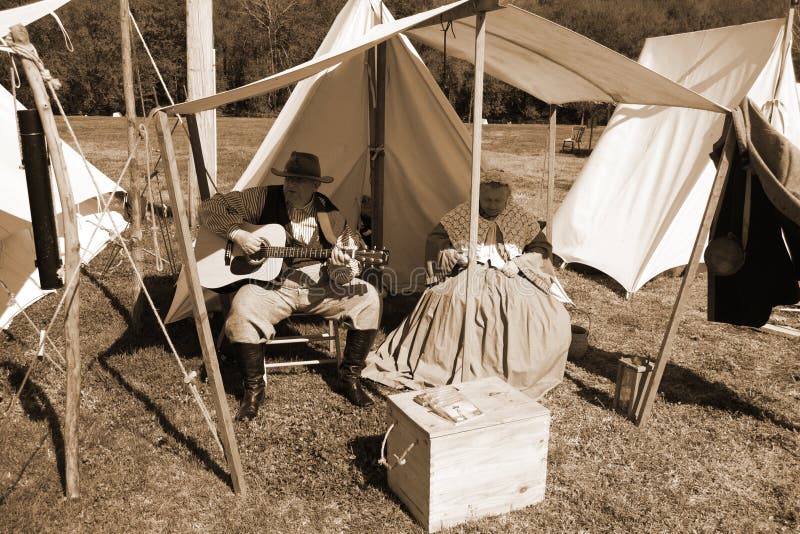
[{"x": 720, "y": 453}]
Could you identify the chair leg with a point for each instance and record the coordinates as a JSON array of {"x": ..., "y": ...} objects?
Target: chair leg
[
  {"x": 331, "y": 334},
  {"x": 337, "y": 344}
]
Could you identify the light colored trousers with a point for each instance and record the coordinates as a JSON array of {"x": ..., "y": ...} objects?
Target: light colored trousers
[{"x": 256, "y": 309}]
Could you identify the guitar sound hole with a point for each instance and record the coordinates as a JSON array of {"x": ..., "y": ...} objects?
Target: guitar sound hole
[{"x": 240, "y": 266}]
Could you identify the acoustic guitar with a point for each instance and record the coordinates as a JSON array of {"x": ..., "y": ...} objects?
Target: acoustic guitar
[{"x": 220, "y": 262}]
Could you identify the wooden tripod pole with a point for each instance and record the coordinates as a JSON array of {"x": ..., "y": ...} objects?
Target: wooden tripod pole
[
  {"x": 551, "y": 170},
  {"x": 646, "y": 406},
  {"x": 134, "y": 190},
  {"x": 184, "y": 237},
  {"x": 477, "y": 133},
  {"x": 71, "y": 262}
]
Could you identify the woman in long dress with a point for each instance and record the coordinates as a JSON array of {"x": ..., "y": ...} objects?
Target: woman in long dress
[{"x": 522, "y": 332}]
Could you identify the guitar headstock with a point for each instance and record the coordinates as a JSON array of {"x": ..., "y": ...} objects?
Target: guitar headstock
[{"x": 373, "y": 256}]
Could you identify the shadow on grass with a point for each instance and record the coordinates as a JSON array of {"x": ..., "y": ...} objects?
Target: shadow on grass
[
  {"x": 396, "y": 308},
  {"x": 366, "y": 450},
  {"x": 37, "y": 407},
  {"x": 596, "y": 276},
  {"x": 151, "y": 336},
  {"x": 678, "y": 385}
]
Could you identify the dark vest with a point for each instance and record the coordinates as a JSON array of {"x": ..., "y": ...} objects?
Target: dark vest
[{"x": 276, "y": 211}]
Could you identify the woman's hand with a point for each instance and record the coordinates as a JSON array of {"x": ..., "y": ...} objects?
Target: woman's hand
[
  {"x": 510, "y": 269},
  {"x": 448, "y": 259}
]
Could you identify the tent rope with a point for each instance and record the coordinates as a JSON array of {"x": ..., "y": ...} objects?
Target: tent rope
[
  {"x": 12, "y": 297},
  {"x": 152, "y": 60},
  {"x": 28, "y": 51},
  {"x": 67, "y": 39},
  {"x": 189, "y": 378},
  {"x": 28, "y": 372},
  {"x": 164, "y": 86},
  {"x": 143, "y": 133},
  {"x": 445, "y": 28}
]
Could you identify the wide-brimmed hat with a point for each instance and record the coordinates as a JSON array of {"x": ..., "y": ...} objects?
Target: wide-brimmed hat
[{"x": 303, "y": 165}]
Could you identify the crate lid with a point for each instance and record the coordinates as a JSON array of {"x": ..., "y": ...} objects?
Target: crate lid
[{"x": 500, "y": 403}]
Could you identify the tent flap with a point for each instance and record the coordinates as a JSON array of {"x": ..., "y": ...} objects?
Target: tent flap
[{"x": 635, "y": 208}]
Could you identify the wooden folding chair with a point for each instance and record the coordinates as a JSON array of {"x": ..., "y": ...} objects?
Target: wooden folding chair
[
  {"x": 330, "y": 334},
  {"x": 574, "y": 140}
]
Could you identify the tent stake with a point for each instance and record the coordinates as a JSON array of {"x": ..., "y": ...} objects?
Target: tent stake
[
  {"x": 71, "y": 264},
  {"x": 646, "y": 405},
  {"x": 551, "y": 169},
  {"x": 477, "y": 134},
  {"x": 199, "y": 305}
]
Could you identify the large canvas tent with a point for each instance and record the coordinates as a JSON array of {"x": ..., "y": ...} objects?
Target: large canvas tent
[
  {"x": 17, "y": 269},
  {"x": 427, "y": 149},
  {"x": 635, "y": 209}
]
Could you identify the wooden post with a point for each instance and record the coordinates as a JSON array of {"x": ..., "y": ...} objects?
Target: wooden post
[
  {"x": 196, "y": 144},
  {"x": 786, "y": 52},
  {"x": 71, "y": 263},
  {"x": 377, "y": 138},
  {"x": 200, "y": 82},
  {"x": 646, "y": 406},
  {"x": 477, "y": 133},
  {"x": 551, "y": 170},
  {"x": 184, "y": 237},
  {"x": 134, "y": 196}
]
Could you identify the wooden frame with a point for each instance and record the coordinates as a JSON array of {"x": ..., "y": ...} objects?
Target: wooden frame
[
  {"x": 471, "y": 9},
  {"x": 646, "y": 406},
  {"x": 200, "y": 313},
  {"x": 71, "y": 264}
]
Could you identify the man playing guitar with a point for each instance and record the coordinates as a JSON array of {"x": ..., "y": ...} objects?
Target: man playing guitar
[{"x": 303, "y": 284}]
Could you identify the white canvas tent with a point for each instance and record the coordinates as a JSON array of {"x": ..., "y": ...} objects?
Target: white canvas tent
[
  {"x": 427, "y": 149},
  {"x": 17, "y": 269},
  {"x": 427, "y": 156},
  {"x": 635, "y": 209}
]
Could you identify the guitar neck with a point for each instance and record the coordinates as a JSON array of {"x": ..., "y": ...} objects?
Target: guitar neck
[{"x": 296, "y": 252}]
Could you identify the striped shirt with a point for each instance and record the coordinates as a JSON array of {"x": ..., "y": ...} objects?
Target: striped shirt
[{"x": 224, "y": 214}]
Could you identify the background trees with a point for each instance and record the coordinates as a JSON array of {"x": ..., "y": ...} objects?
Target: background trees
[{"x": 255, "y": 38}]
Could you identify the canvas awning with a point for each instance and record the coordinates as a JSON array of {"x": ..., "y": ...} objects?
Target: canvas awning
[
  {"x": 558, "y": 65},
  {"x": 26, "y": 14},
  {"x": 373, "y": 37},
  {"x": 540, "y": 57}
]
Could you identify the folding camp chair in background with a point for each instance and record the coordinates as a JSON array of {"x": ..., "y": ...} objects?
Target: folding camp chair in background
[{"x": 574, "y": 140}]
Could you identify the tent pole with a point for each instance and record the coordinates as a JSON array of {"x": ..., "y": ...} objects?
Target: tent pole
[
  {"x": 200, "y": 173},
  {"x": 200, "y": 82},
  {"x": 786, "y": 52},
  {"x": 477, "y": 132},
  {"x": 71, "y": 262},
  {"x": 551, "y": 170},
  {"x": 184, "y": 237},
  {"x": 377, "y": 139},
  {"x": 134, "y": 191},
  {"x": 646, "y": 404}
]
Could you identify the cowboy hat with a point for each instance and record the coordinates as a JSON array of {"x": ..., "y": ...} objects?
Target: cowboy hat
[{"x": 303, "y": 165}]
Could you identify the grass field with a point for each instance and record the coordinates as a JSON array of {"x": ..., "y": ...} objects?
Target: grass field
[{"x": 719, "y": 455}]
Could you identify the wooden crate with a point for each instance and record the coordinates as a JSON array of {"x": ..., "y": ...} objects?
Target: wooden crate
[{"x": 489, "y": 465}]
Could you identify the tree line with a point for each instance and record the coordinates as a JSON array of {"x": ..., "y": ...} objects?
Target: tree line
[{"x": 255, "y": 38}]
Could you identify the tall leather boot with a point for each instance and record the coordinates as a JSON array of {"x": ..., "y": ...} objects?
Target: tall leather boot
[
  {"x": 355, "y": 354},
  {"x": 251, "y": 364}
]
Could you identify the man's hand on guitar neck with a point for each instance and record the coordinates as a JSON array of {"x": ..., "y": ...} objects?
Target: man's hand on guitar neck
[
  {"x": 340, "y": 256},
  {"x": 248, "y": 242}
]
